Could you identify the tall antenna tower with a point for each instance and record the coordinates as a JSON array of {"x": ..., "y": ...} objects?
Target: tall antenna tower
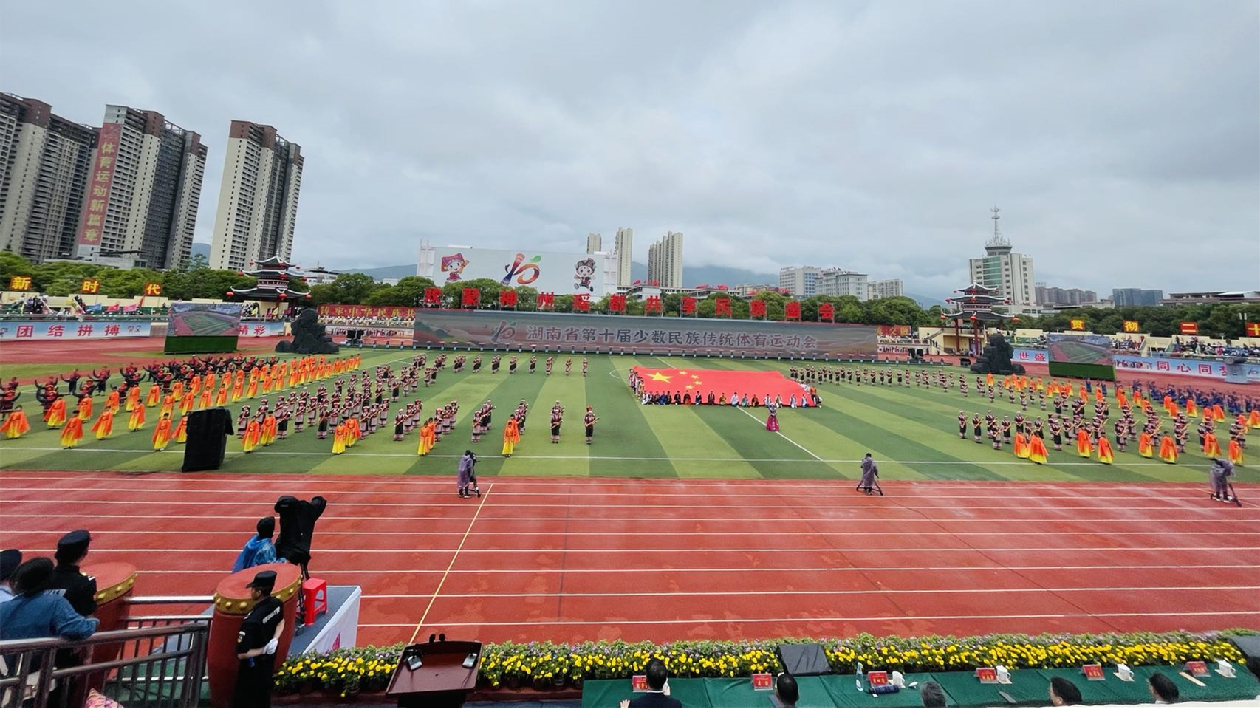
[{"x": 997, "y": 241}]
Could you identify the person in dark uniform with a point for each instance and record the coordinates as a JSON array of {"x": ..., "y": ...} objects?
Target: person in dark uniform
[
  {"x": 256, "y": 645},
  {"x": 67, "y": 580}
]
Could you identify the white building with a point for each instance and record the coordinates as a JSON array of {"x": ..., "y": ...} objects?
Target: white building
[
  {"x": 1009, "y": 272},
  {"x": 258, "y": 199},
  {"x": 877, "y": 289},
  {"x": 144, "y": 191},
  {"x": 800, "y": 281},
  {"x": 665, "y": 261},
  {"x": 838, "y": 281},
  {"x": 45, "y": 161},
  {"x": 594, "y": 243},
  {"x": 624, "y": 251}
]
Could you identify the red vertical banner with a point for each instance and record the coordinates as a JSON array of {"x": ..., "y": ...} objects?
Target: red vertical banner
[
  {"x": 153, "y": 289},
  {"x": 582, "y": 303},
  {"x": 90, "y": 286},
  {"x": 507, "y": 298},
  {"x": 827, "y": 311},
  {"x": 757, "y": 308},
  {"x": 617, "y": 303},
  {"x": 1077, "y": 325},
  {"x": 1189, "y": 327},
  {"x": 472, "y": 297},
  {"x": 689, "y": 306},
  {"x": 100, "y": 180},
  {"x": 546, "y": 301},
  {"x": 722, "y": 306},
  {"x": 1253, "y": 329},
  {"x": 792, "y": 310},
  {"x": 1131, "y": 326},
  {"x": 652, "y": 304},
  {"x": 432, "y": 296}
]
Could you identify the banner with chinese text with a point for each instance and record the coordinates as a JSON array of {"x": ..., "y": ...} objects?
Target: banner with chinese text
[
  {"x": 561, "y": 331},
  {"x": 100, "y": 180},
  {"x": 1153, "y": 364},
  {"x": 17, "y": 330}
]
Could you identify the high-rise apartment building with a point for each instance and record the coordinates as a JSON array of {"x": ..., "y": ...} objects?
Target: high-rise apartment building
[
  {"x": 624, "y": 250},
  {"x": 1010, "y": 273},
  {"x": 665, "y": 261},
  {"x": 877, "y": 289},
  {"x": 594, "y": 243},
  {"x": 800, "y": 281},
  {"x": 838, "y": 282},
  {"x": 1136, "y": 297},
  {"x": 258, "y": 199},
  {"x": 1047, "y": 295},
  {"x": 143, "y": 191},
  {"x": 44, "y": 165}
]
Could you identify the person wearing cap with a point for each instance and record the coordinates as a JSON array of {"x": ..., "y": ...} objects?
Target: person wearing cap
[
  {"x": 34, "y": 613},
  {"x": 67, "y": 579},
  {"x": 256, "y": 644},
  {"x": 259, "y": 550},
  {"x": 10, "y": 559}
]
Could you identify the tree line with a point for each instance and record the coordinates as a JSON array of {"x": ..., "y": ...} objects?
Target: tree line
[{"x": 198, "y": 280}]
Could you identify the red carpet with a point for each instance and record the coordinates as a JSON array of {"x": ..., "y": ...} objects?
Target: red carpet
[{"x": 719, "y": 381}]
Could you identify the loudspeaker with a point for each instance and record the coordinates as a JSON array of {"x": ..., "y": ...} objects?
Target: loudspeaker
[
  {"x": 964, "y": 361},
  {"x": 804, "y": 659},
  {"x": 207, "y": 439},
  {"x": 1250, "y": 647}
]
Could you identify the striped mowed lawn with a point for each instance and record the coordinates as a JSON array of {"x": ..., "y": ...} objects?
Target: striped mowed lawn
[{"x": 911, "y": 431}]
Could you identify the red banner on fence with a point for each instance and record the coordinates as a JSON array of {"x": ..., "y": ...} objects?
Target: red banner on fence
[
  {"x": 582, "y": 303},
  {"x": 1189, "y": 327},
  {"x": 689, "y": 306},
  {"x": 507, "y": 298},
  {"x": 757, "y": 308},
  {"x": 472, "y": 297},
  {"x": 722, "y": 306},
  {"x": 433, "y": 296},
  {"x": 382, "y": 312},
  {"x": 652, "y": 304},
  {"x": 792, "y": 310},
  {"x": 546, "y": 301},
  {"x": 617, "y": 303},
  {"x": 826, "y": 311}
]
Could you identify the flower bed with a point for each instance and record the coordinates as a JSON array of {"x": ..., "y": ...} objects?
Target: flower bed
[{"x": 543, "y": 664}]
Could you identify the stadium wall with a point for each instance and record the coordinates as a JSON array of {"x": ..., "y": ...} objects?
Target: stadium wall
[
  {"x": 71, "y": 330},
  {"x": 564, "y": 332}
]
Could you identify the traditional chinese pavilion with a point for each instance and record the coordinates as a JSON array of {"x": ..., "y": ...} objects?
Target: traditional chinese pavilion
[
  {"x": 974, "y": 315},
  {"x": 273, "y": 277}
]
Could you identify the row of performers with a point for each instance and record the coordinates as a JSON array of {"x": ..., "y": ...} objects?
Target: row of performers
[
  {"x": 1024, "y": 388},
  {"x": 1091, "y": 436},
  {"x": 497, "y": 361}
]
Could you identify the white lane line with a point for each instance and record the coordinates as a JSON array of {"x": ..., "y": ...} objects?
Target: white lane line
[
  {"x": 855, "y": 569},
  {"x": 872, "y": 591},
  {"x": 798, "y": 446},
  {"x": 443, "y": 483},
  {"x": 480, "y": 505},
  {"x": 559, "y": 548},
  {"x": 861, "y": 618},
  {"x": 672, "y": 519},
  {"x": 439, "y": 505},
  {"x": 720, "y": 534},
  {"x": 353, "y": 455}
]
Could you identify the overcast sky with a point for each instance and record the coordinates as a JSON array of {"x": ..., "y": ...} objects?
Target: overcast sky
[{"x": 1121, "y": 139}]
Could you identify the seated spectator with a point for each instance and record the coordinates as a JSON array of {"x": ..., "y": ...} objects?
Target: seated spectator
[
  {"x": 259, "y": 550},
  {"x": 33, "y": 613},
  {"x": 9, "y": 561},
  {"x": 786, "y": 692},
  {"x": 658, "y": 689},
  {"x": 1163, "y": 690},
  {"x": 932, "y": 695},
  {"x": 1063, "y": 692}
]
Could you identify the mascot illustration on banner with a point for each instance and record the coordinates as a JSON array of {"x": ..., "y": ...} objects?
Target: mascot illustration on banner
[
  {"x": 454, "y": 266},
  {"x": 583, "y": 272}
]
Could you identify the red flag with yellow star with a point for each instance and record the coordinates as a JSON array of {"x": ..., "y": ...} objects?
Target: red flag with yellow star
[{"x": 719, "y": 381}]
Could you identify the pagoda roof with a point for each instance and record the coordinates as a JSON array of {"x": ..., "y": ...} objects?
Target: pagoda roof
[
  {"x": 272, "y": 263},
  {"x": 977, "y": 289},
  {"x": 268, "y": 294},
  {"x": 980, "y": 315}
]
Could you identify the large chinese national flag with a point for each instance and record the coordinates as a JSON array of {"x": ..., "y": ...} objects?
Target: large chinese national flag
[{"x": 719, "y": 381}]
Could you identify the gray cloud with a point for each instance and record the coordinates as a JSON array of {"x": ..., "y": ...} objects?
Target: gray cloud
[{"x": 1121, "y": 139}]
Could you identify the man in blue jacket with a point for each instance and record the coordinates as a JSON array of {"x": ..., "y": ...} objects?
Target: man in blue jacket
[{"x": 259, "y": 550}]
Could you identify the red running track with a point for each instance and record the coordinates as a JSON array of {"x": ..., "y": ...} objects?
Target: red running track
[{"x": 577, "y": 559}]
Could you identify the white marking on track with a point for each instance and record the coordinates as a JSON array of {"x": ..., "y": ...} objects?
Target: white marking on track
[{"x": 480, "y": 505}]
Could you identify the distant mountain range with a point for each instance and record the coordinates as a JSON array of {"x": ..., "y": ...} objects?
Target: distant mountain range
[{"x": 201, "y": 248}]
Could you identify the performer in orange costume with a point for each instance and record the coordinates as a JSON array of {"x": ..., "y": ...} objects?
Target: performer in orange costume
[
  {"x": 72, "y": 433},
  {"x": 104, "y": 425},
  {"x": 15, "y": 424},
  {"x": 253, "y": 432},
  {"x": 1105, "y": 454},
  {"x": 181, "y": 430},
  {"x": 1083, "y": 448},
  {"x": 1037, "y": 450},
  {"x": 56, "y": 413},
  {"x": 1167, "y": 449},
  {"x": 511, "y": 436},
  {"x": 136, "y": 421},
  {"x": 162, "y": 434},
  {"x": 85, "y": 407}
]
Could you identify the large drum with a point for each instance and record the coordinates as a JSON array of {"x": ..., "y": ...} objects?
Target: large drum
[{"x": 231, "y": 603}]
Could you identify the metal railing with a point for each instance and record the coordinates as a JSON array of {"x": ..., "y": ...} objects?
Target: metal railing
[{"x": 157, "y": 661}]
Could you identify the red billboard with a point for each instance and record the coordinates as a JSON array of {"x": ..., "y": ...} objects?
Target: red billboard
[{"x": 99, "y": 182}]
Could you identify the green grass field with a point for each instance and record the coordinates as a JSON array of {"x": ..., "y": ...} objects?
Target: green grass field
[{"x": 911, "y": 431}]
